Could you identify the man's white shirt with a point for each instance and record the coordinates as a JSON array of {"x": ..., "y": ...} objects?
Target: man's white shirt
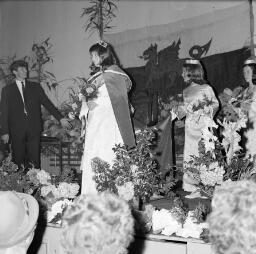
[{"x": 19, "y": 85}]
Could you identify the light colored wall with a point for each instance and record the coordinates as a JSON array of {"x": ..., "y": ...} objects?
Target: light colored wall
[{"x": 25, "y": 22}]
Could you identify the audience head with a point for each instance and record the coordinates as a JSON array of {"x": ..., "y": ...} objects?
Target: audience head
[
  {"x": 103, "y": 55},
  {"x": 192, "y": 71},
  {"x": 249, "y": 70},
  {"x": 18, "y": 218},
  {"x": 97, "y": 224},
  {"x": 20, "y": 69},
  {"x": 232, "y": 222}
]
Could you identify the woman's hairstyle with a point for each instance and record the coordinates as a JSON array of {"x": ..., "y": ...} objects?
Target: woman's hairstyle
[
  {"x": 232, "y": 222},
  {"x": 195, "y": 71},
  {"x": 97, "y": 224},
  {"x": 106, "y": 54},
  {"x": 253, "y": 68},
  {"x": 16, "y": 64}
]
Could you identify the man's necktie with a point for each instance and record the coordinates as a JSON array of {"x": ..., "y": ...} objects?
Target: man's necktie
[{"x": 24, "y": 97}]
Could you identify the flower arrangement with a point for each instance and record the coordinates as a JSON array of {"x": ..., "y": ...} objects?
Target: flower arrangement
[
  {"x": 53, "y": 193},
  {"x": 202, "y": 108},
  {"x": 88, "y": 88},
  {"x": 133, "y": 174},
  {"x": 206, "y": 169},
  {"x": 13, "y": 178},
  {"x": 52, "y": 128},
  {"x": 217, "y": 161},
  {"x": 180, "y": 222}
]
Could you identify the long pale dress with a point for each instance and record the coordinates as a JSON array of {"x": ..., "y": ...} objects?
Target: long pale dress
[
  {"x": 194, "y": 125},
  {"x": 101, "y": 135},
  {"x": 250, "y": 133}
]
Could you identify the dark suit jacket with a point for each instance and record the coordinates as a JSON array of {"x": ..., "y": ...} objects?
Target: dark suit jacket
[{"x": 12, "y": 108}]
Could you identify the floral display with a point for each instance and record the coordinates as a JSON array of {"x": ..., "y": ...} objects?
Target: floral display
[
  {"x": 220, "y": 158},
  {"x": 175, "y": 221},
  {"x": 53, "y": 193},
  {"x": 12, "y": 178},
  {"x": 88, "y": 89},
  {"x": 202, "y": 107},
  {"x": 133, "y": 174},
  {"x": 233, "y": 117},
  {"x": 52, "y": 127}
]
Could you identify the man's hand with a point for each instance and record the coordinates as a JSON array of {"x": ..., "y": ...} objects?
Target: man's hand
[
  {"x": 65, "y": 123},
  {"x": 5, "y": 138}
]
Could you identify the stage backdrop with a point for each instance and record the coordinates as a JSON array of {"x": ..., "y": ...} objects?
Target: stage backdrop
[{"x": 153, "y": 55}]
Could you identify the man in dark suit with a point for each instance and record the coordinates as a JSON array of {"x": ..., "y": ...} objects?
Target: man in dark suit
[{"x": 21, "y": 115}]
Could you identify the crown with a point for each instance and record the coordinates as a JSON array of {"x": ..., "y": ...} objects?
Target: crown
[
  {"x": 192, "y": 61},
  {"x": 251, "y": 60},
  {"x": 103, "y": 44}
]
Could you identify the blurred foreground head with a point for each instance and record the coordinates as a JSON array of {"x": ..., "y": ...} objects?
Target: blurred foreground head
[
  {"x": 232, "y": 223},
  {"x": 18, "y": 218},
  {"x": 97, "y": 224}
]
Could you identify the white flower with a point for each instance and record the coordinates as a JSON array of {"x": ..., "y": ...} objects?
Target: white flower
[
  {"x": 232, "y": 138},
  {"x": 67, "y": 190},
  {"x": 164, "y": 220},
  {"x": 126, "y": 191},
  {"x": 45, "y": 190},
  {"x": 212, "y": 175},
  {"x": 57, "y": 208},
  {"x": 191, "y": 228},
  {"x": 134, "y": 170},
  {"x": 44, "y": 177}
]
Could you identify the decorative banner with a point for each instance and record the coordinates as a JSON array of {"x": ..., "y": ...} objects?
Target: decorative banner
[{"x": 212, "y": 33}]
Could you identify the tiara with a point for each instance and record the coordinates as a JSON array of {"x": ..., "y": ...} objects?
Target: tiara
[
  {"x": 103, "y": 44},
  {"x": 192, "y": 61},
  {"x": 250, "y": 61}
]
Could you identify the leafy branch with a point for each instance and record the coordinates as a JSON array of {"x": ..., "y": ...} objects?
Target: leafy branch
[{"x": 100, "y": 15}]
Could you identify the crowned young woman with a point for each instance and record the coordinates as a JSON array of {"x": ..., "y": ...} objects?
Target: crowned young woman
[
  {"x": 107, "y": 115},
  {"x": 197, "y": 91},
  {"x": 249, "y": 73}
]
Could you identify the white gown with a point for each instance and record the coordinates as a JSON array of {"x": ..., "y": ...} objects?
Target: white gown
[
  {"x": 250, "y": 134},
  {"x": 101, "y": 135},
  {"x": 193, "y": 126}
]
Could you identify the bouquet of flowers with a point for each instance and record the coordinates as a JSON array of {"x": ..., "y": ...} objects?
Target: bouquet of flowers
[
  {"x": 52, "y": 192},
  {"x": 52, "y": 128},
  {"x": 207, "y": 169},
  {"x": 13, "y": 178},
  {"x": 89, "y": 88},
  {"x": 201, "y": 108},
  {"x": 133, "y": 174},
  {"x": 177, "y": 221}
]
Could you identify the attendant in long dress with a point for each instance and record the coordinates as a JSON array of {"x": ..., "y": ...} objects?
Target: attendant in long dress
[
  {"x": 196, "y": 90},
  {"x": 249, "y": 73},
  {"x": 107, "y": 116}
]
